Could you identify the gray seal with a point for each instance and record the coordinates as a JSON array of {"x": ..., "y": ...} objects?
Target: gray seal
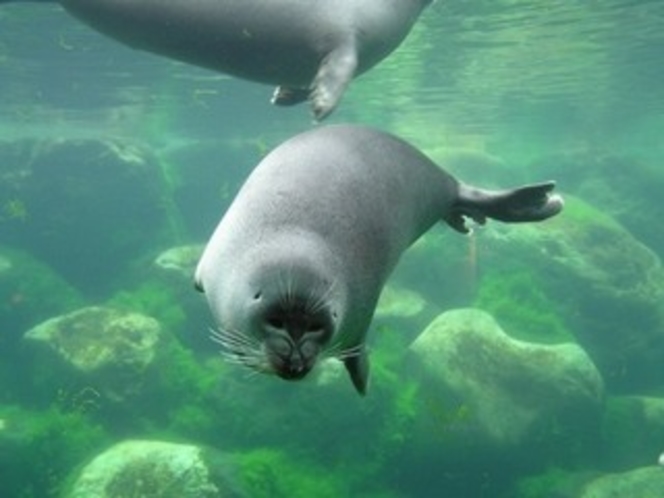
[
  {"x": 311, "y": 49},
  {"x": 294, "y": 269}
]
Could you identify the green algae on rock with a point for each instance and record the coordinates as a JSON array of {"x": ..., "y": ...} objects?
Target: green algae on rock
[
  {"x": 644, "y": 482},
  {"x": 136, "y": 468},
  {"x": 509, "y": 387},
  {"x": 608, "y": 288},
  {"x": 105, "y": 347}
]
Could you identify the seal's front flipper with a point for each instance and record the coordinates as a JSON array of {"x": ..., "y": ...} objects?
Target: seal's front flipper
[
  {"x": 285, "y": 96},
  {"x": 358, "y": 369},
  {"x": 522, "y": 204},
  {"x": 334, "y": 74}
]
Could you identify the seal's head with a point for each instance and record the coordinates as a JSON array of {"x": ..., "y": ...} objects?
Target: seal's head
[{"x": 281, "y": 319}]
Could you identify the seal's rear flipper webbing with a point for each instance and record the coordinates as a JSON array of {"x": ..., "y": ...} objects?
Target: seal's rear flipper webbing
[{"x": 518, "y": 205}]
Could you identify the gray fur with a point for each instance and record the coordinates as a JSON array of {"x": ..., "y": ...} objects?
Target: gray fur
[
  {"x": 310, "y": 48},
  {"x": 325, "y": 217}
]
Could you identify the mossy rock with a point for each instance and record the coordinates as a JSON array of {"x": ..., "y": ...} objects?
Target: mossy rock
[
  {"x": 585, "y": 274},
  {"x": 268, "y": 473},
  {"x": 30, "y": 292},
  {"x": 645, "y": 482},
  {"x": 39, "y": 448},
  {"x": 517, "y": 298},
  {"x": 483, "y": 390},
  {"x": 142, "y": 468},
  {"x": 87, "y": 207},
  {"x": 632, "y": 431}
]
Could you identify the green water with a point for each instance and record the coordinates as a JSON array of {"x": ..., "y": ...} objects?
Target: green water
[{"x": 109, "y": 156}]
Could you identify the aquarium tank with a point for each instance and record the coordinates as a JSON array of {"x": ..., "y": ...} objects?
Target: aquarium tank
[{"x": 514, "y": 361}]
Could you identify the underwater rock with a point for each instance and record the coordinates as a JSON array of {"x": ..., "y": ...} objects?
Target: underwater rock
[
  {"x": 402, "y": 310},
  {"x": 151, "y": 468},
  {"x": 86, "y": 207},
  {"x": 632, "y": 431},
  {"x": 628, "y": 188},
  {"x": 181, "y": 260},
  {"x": 645, "y": 482},
  {"x": 102, "y": 347},
  {"x": 399, "y": 302},
  {"x": 29, "y": 293},
  {"x": 605, "y": 285},
  {"x": 205, "y": 175},
  {"x": 38, "y": 448},
  {"x": 174, "y": 274},
  {"x": 484, "y": 386}
]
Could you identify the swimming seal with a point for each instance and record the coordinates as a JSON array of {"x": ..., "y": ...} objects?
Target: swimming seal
[
  {"x": 310, "y": 48},
  {"x": 294, "y": 269}
]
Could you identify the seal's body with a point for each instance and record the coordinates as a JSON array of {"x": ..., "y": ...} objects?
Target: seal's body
[
  {"x": 310, "y": 48},
  {"x": 295, "y": 268}
]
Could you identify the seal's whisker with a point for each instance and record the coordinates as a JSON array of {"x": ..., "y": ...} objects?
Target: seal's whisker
[
  {"x": 337, "y": 351},
  {"x": 290, "y": 286},
  {"x": 331, "y": 351},
  {"x": 350, "y": 352},
  {"x": 224, "y": 336},
  {"x": 238, "y": 348},
  {"x": 253, "y": 361},
  {"x": 230, "y": 340},
  {"x": 316, "y": 300},
  {"x": 234, "y": 347},
  {"x": 252, "y": 373}
]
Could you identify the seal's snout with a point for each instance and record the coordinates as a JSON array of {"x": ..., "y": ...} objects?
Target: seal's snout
[
  {"x": 294, "y": 337},
  {"x": 287, "y": 359},
  {"x": 293, "y": 370}
]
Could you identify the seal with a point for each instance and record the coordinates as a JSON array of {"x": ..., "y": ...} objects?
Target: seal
[
  {"x": 311, "y": 49},
  {"x": 293, "y": 271}
]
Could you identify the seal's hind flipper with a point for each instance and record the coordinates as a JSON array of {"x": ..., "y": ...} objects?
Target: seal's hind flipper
[
  {"x": 286, "y": 96},
  {"x": 522, "y": 204}
]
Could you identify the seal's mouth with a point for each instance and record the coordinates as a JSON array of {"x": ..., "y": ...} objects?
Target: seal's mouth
[
  {"x": 294, "y": 337},
  {"x": 290, "y": 370},
  {"x": 288, "y": 359},
  {"x": 285, "y": 337}
]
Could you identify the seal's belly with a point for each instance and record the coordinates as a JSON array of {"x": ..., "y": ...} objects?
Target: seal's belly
[{"x": 248, "y": 39}]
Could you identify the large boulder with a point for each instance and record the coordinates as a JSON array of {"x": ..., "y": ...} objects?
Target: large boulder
[
  {"x": 153, "y": 468},
  {"x": 57, "y": 439},
  {"x": 600, "y": 282},
  {"x": 205, "y": 177},
  {"x": 109, "y": 349},
  {"x": 30, "y": 291},
  {"x": 484, "y": 389},
  {"x": 173, "y": 273},
  {"x": 180, "y": 261},
  {"x": 87, "y": 207},
  {"x": 626, "y": 187},
  {"x": 645, "y": 482},
  {"x": 632, "y": 431}
]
